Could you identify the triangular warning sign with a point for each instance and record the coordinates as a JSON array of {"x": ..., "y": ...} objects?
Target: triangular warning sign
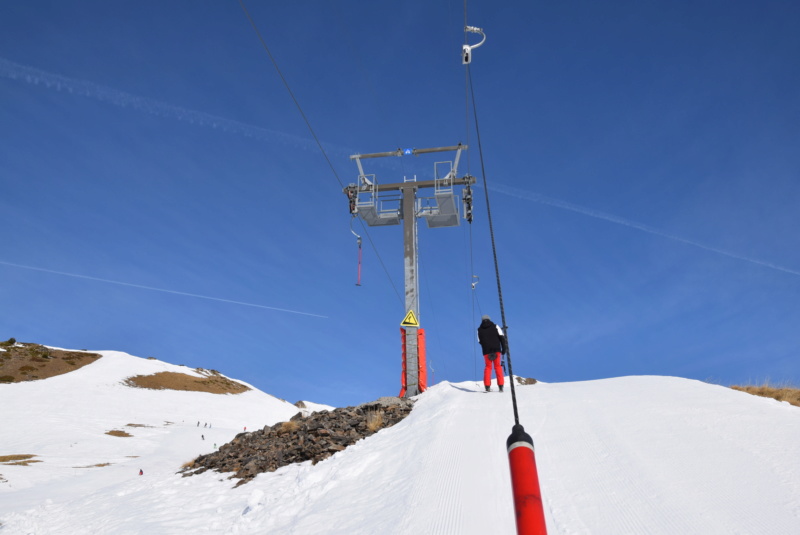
[{"x": 410, "y": 320}]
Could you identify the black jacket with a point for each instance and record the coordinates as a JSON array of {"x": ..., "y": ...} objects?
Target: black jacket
[{"x": 491, "y": 338}]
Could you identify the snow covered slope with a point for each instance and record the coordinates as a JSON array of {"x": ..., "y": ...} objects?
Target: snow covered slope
[
  {"x": 629, "y": 455},
  {"x": 63, "y": 420}
]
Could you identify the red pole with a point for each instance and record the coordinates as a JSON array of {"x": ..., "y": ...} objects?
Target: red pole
[
  {"x": 403, "y": 385},
  {"x": 423, "y": 367},
  {"x": 525, "y": 483}
]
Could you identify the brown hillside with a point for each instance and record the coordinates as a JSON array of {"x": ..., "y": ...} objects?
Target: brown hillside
[
  {"x": 781, "y": 393},
  {"x": 212, "y": 382},
  {"x": 30, "y": 362}
]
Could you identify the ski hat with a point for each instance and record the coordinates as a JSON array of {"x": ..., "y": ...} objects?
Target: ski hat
[{"x": 486, "y": 317}]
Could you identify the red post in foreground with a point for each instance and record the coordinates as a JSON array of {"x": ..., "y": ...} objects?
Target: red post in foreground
[{"x": 525, "y": 483}]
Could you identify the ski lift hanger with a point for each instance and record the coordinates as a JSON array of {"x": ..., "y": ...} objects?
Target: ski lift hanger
[{"x": 466, "y": 50}]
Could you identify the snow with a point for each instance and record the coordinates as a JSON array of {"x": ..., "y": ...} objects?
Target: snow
[
  {"x": 659, "y": 455},
  {"x": 311, "y": 407}
]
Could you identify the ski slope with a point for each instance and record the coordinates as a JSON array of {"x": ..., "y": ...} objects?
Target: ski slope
[{"x": 638, "y": 455}]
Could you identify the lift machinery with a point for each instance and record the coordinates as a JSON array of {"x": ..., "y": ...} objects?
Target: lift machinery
[{"x": 388, "y": 204}]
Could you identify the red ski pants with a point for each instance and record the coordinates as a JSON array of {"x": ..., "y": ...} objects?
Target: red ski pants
[{"x": 498, "y": 370}]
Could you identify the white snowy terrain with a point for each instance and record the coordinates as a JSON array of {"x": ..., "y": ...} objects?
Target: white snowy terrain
[{"x": 632, "y": 455}]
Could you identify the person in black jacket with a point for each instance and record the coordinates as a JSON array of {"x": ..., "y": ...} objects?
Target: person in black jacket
[{"x": 493, "y": 344}]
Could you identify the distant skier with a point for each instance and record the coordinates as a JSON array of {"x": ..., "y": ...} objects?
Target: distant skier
[
  {"x": 493, "y": 344},
  {"x": 141, "y": 472},
  {"x": 202, "y": 437}
]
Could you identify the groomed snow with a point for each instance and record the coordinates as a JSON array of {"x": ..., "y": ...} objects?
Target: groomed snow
[{"x": 658, "y": 455}]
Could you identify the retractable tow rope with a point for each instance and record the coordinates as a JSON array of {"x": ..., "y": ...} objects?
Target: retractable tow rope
[{"x": 358, "y": 240}]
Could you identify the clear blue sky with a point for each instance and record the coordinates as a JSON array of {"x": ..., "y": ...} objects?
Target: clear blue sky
[{"x": 642, "y": 160}]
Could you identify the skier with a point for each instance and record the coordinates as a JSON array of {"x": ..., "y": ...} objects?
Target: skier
[
  {"x": 493, "y": 344},
  {"x": 141, "y": 472}
]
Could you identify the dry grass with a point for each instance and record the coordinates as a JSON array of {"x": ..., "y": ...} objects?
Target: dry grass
[
  {"x": 375, "y": 421},
  {"x": 781, "y": 393},
  {"x": 118, "y": 433},
  {"x": 18, "y": 460},
  {"x": 212, "y": 383},
  {"x": 12, "y": 458},
  {"x": 99, "y": 465},
  {"x": 289, "y": 427},
  {"x": 31, "y": 362}
]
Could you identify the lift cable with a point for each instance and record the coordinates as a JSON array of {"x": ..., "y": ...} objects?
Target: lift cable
[
  {"x": 474, "y": 298},
  {"x": 494, "y": 246},
  {"x": 528, "y": 509},
  {"x": 291, "y": 93},
  {"x": 316, "y": 139},
  {"x": 386, "y": 271}
]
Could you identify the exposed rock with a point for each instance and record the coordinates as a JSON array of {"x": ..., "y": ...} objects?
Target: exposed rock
[
  {"x": 312, "y": 438},
  {"x": 525, "y": 380}
]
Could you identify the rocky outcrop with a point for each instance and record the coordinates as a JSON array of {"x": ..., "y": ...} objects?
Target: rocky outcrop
[
  {"x": 311, "y": 438},
  {"x": 525, "y": 380}
]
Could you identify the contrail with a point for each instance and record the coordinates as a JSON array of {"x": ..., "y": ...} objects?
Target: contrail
[
  {"x": 77, "y": 276},
  {"x": 542, "y": 199},
  {"x": 33, "y": 76}
]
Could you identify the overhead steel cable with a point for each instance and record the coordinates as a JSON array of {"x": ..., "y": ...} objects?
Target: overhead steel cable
[
  {"x": 316, "y": 139},
  {"x": 494, "y": 245},
  {"x": 291, "y": 93},
  {"x": 528, "y": 507}
]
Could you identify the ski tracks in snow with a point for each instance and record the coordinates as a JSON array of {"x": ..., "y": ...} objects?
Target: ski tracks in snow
[
  {"x": 437, "y": 500},
  {"x": 643, "y": 456},
  {"x": 467, "y": 451}
]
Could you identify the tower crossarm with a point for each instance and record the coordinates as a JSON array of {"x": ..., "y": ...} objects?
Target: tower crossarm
[{"x": 463, "y": 181}]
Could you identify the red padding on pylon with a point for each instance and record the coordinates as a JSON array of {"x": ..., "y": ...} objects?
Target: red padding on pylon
[
  {"x": 422, "y": 374},
  {"x": 403, "y": 385},
  {"x": 525, "y": 484}
]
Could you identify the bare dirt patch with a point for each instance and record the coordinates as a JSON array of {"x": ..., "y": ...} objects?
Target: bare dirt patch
[
  {"x": 31, "y": 362},
  {"x": 18, "y": 460},
  {"x": 781, "y": 393},
  {"x": 99, "y": 465},
  {"x": 118, "y": 433},
  {"x": 212, "y": 382}
]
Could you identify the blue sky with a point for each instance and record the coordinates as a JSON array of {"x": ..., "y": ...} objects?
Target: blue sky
[{"x": 642, "y": 161}]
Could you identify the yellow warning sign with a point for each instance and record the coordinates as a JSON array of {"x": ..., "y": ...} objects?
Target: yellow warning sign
[{"x": 410, "y": 320}]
